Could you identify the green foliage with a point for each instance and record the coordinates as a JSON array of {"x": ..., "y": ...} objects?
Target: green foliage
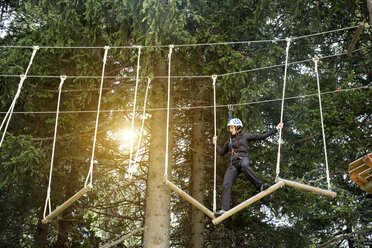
[{"x": 287, "y": 218}]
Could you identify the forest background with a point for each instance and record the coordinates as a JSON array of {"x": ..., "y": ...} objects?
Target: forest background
[{"x": 71, "y": 36}]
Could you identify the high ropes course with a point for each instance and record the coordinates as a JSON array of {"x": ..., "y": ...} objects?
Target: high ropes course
[{"x": 360, "y": 170}]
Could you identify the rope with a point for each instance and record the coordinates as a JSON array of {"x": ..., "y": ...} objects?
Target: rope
[
  {"x": 118, "y": 77},
  {"x": 133, "y": 113},
  {"x": 168, "y": 105},
  {"x": 48, "y": 204},
  {"x": 214, "y": 78},
  {"x": 282, "y": 108},
  {"x": 142, "y": 126},
  {"x": 193, "y": 107},
  {"x": 321, "y": 119},
  {"x": 90, "y": 173},
  {"x": 8, "y": 115},
  {"x": 191, "y": 45}
]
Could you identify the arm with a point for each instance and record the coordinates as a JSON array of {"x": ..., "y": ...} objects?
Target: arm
[
  {"x": 222, "y": 151},
  {"x": 264, "y": 135},
  {"x": 260, "y": 136}
]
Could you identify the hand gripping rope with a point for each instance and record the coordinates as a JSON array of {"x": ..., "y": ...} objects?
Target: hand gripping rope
[
  {"x": 8, "y": 115},
  {"x": 279, "y": 181}
]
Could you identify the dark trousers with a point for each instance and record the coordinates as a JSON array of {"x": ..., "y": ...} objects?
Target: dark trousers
[{"x": 237, "y": 166}]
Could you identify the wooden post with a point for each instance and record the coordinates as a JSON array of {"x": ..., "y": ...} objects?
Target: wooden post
[
  {"x": 188, "y": 198},
  {"x": 67, "y": 203},
  {"x": 308, "y": 188},
  {"x": 248, "y": 202},
  {"x": 355, "y": 38}
]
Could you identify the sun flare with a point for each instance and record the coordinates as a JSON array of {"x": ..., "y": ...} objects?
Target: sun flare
[{"x": 127, "y": 138}]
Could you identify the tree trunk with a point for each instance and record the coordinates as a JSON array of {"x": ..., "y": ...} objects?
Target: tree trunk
[
  {"x": 350, "y": 241},
  {"x": 197, "y": 178},
  {"x": 41, "y": 233},
  {"x": 157, "y": 216},
  {"x": 369, "y": 6},
  {"x": 63, "y": 225}
]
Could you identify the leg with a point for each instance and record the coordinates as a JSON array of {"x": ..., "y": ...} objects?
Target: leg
[
  {"x": 228, "y": 181},
  {"x": 249, "y": 173}
]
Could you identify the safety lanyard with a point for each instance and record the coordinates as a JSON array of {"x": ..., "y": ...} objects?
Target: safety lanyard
[{"x": 230, "y": 117}]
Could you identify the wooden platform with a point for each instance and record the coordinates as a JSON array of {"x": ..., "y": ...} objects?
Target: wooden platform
[{"x": 360, "y": 172}]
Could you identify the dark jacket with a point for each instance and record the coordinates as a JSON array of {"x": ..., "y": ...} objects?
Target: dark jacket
[{"x": 242, "y": 146}]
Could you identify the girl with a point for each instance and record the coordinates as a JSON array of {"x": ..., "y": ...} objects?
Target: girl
[{"x": 239, "y": 160}]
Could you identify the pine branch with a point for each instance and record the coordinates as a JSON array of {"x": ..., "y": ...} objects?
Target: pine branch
[
  {"x": 344, "y": 236},
  {"x": 116, "y": 241}
]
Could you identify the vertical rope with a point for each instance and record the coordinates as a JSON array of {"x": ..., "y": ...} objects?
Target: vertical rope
[
  {"x": 315, "y": 60},
  {"x": 47, "y": 201},
  {"x": 168, "y": 103},
  {"x": 9, "y": 113},
  {"x": 90, "y": 173},
  {"x": 10, "y": 110},
  {"x": 142, "y": 126},
  {"x": 134, "y": 110},
  {"x": 282, "y": 108},
  {"x": 214, "y": 78}
]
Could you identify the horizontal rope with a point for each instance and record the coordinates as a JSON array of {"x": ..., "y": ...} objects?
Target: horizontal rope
[
  {"x": 185, "y": 76},
  {"x": 193, "y": 107},
  {"x": 188, "y": 45}
]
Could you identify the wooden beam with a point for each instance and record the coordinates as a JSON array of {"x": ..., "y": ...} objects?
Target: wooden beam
[
  {"x": 308, "y": 188},
  {"x": 355, "y": 38},
  {"x": 191, "y": 200},
  {"x": 367, "y": 160},
  {"x": 248, "y": 202},
  {"x": 360, "y": 168},
  {"x": 67, "y": 203},
  {"x": 367, "y": 187}
]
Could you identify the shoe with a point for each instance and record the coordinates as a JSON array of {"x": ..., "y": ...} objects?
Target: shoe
[
  {"x": 220, "y": 212},
  {"x": 263, "y": 187}
]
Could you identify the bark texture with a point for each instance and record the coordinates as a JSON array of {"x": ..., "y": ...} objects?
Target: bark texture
[{"x": 197, "y": 179}]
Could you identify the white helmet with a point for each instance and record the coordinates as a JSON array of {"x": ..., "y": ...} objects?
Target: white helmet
[{"x": 235, "y": 122}]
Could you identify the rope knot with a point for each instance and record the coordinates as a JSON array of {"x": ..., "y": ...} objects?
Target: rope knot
[
  {"x": 170, "y": 50},
  {"x": 214, "y": 78},
  {"x": 315, "y": 60}
]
